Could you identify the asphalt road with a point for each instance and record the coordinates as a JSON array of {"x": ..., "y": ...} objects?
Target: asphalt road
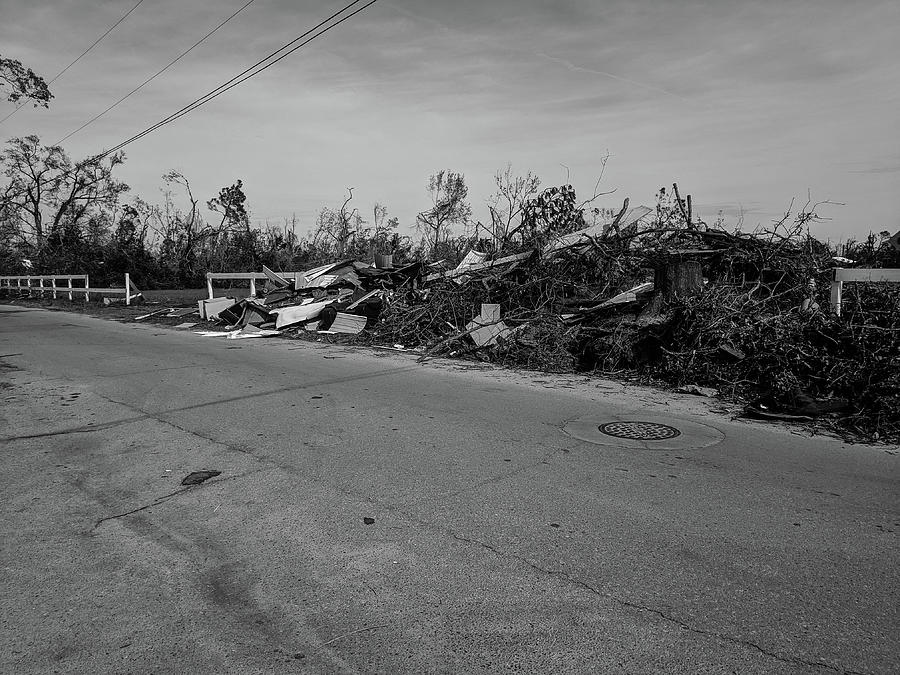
[{"x": 509, "y": 534}]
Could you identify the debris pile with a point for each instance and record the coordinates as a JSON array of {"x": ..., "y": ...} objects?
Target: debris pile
[
  {"x": 746, "y": 315},
  {"x": 341, "y": 297},
  {"x": 671, "y": 300}
]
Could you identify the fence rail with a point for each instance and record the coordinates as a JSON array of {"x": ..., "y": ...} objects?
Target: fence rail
[
  {"x": 39, "y": 284},
  {"x": 252, "y": 277},
  {"x": 865, "y": 275}
]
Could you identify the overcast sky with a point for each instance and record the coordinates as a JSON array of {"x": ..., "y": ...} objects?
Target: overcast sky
[{"x": 746, "y": 104}]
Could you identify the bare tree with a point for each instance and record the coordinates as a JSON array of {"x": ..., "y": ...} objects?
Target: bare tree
[
  {"x": 184, "y": 234},
  {"x": 335, "y": 230},
  {"x": 46, "y": 190},
  {"x": 508, "y": 203},
  {"x": 448, "y": 193}
]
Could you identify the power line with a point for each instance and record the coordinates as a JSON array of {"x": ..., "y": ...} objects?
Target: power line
[
  {"x": 96, "y": 42},
  {"x": 157, "y": 74},
  {"x": 253, "y": 70},
  {"x": 80, "y": 56}
]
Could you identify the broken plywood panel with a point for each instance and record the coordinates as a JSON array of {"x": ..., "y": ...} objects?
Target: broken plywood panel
[
  {"x": 490, "y": 312},
  {"x": 209, "y": 309},
  {"x": 486, "y": 335}
]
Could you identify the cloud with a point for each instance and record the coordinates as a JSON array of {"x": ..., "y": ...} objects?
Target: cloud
[
  {"x": 591, "y": 71},
  {"x": 878, "y": 169},
  {"x": 739, "y": 102}
]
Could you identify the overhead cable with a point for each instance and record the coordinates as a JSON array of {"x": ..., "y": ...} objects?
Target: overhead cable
[
  {"x": 155, "y": 75},
  {"x": 252, "y": 71},
  {"x": 305, "y": 38},
  {"x": 80, "y": 56}
]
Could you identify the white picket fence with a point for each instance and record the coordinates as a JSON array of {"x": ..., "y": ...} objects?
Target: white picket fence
[
  {"x": 76, "y": 284},
  {"x": 864, "y": 275},
  {"x": 49, "y": 283},
  {"x": 252, "y": 277}
]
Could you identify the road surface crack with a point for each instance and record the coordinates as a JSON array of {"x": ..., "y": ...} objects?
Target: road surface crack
[
  {"x": 90, "y": 428},
  {"x": 651, "y": 610},
  {"x": 159, "y": 500}
]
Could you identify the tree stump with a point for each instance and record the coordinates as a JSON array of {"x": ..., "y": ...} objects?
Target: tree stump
[{"x": 677, "y": 277}]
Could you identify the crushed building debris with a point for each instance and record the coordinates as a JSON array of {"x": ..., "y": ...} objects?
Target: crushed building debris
[{"x": 699, "y": 308}]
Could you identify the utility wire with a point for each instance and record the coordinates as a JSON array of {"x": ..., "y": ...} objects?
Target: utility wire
[
  {"x": 96, "y": 42},
  {"x": 80, "y": 56},
  {"x": 253, "y": 70},
  {"x": 157, "y": 74}
]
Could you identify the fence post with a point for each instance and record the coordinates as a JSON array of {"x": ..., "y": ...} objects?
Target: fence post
[
  {"x": 127, "y": 288},
  {"x": 87, "y": 286},
  {"x": 53, "y": 282},
  {"x": 70, "y": 289},
  {"x": 836, "y": 288},
  {"x": 28, "y": 279},
  {"x": 209, "y": 286},
  {"x": 252, "y": 287}
]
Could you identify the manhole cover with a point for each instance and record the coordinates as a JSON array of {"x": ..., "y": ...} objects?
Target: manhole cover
[{"x": 639, "y": 431}]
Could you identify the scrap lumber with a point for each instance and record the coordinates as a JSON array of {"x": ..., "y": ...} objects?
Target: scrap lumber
[
  {"x": 631, "y": 295},
  {"x": 154, "y": 313},
  {"x": 479, "y": 266},
  {"x": 278, "y": 280},
  {"x": 472, "y": 259},
  {"x": 251, "y": 332},
  {"x": 376, "y": 293},
  {"x": 583, "y": 236},
  {"x": 215, "y": 333}
]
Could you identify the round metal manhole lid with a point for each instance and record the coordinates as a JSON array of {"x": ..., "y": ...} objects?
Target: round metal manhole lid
[
  {"x": 639, "y": 431},
  {"x": 666, "y": 433}
]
